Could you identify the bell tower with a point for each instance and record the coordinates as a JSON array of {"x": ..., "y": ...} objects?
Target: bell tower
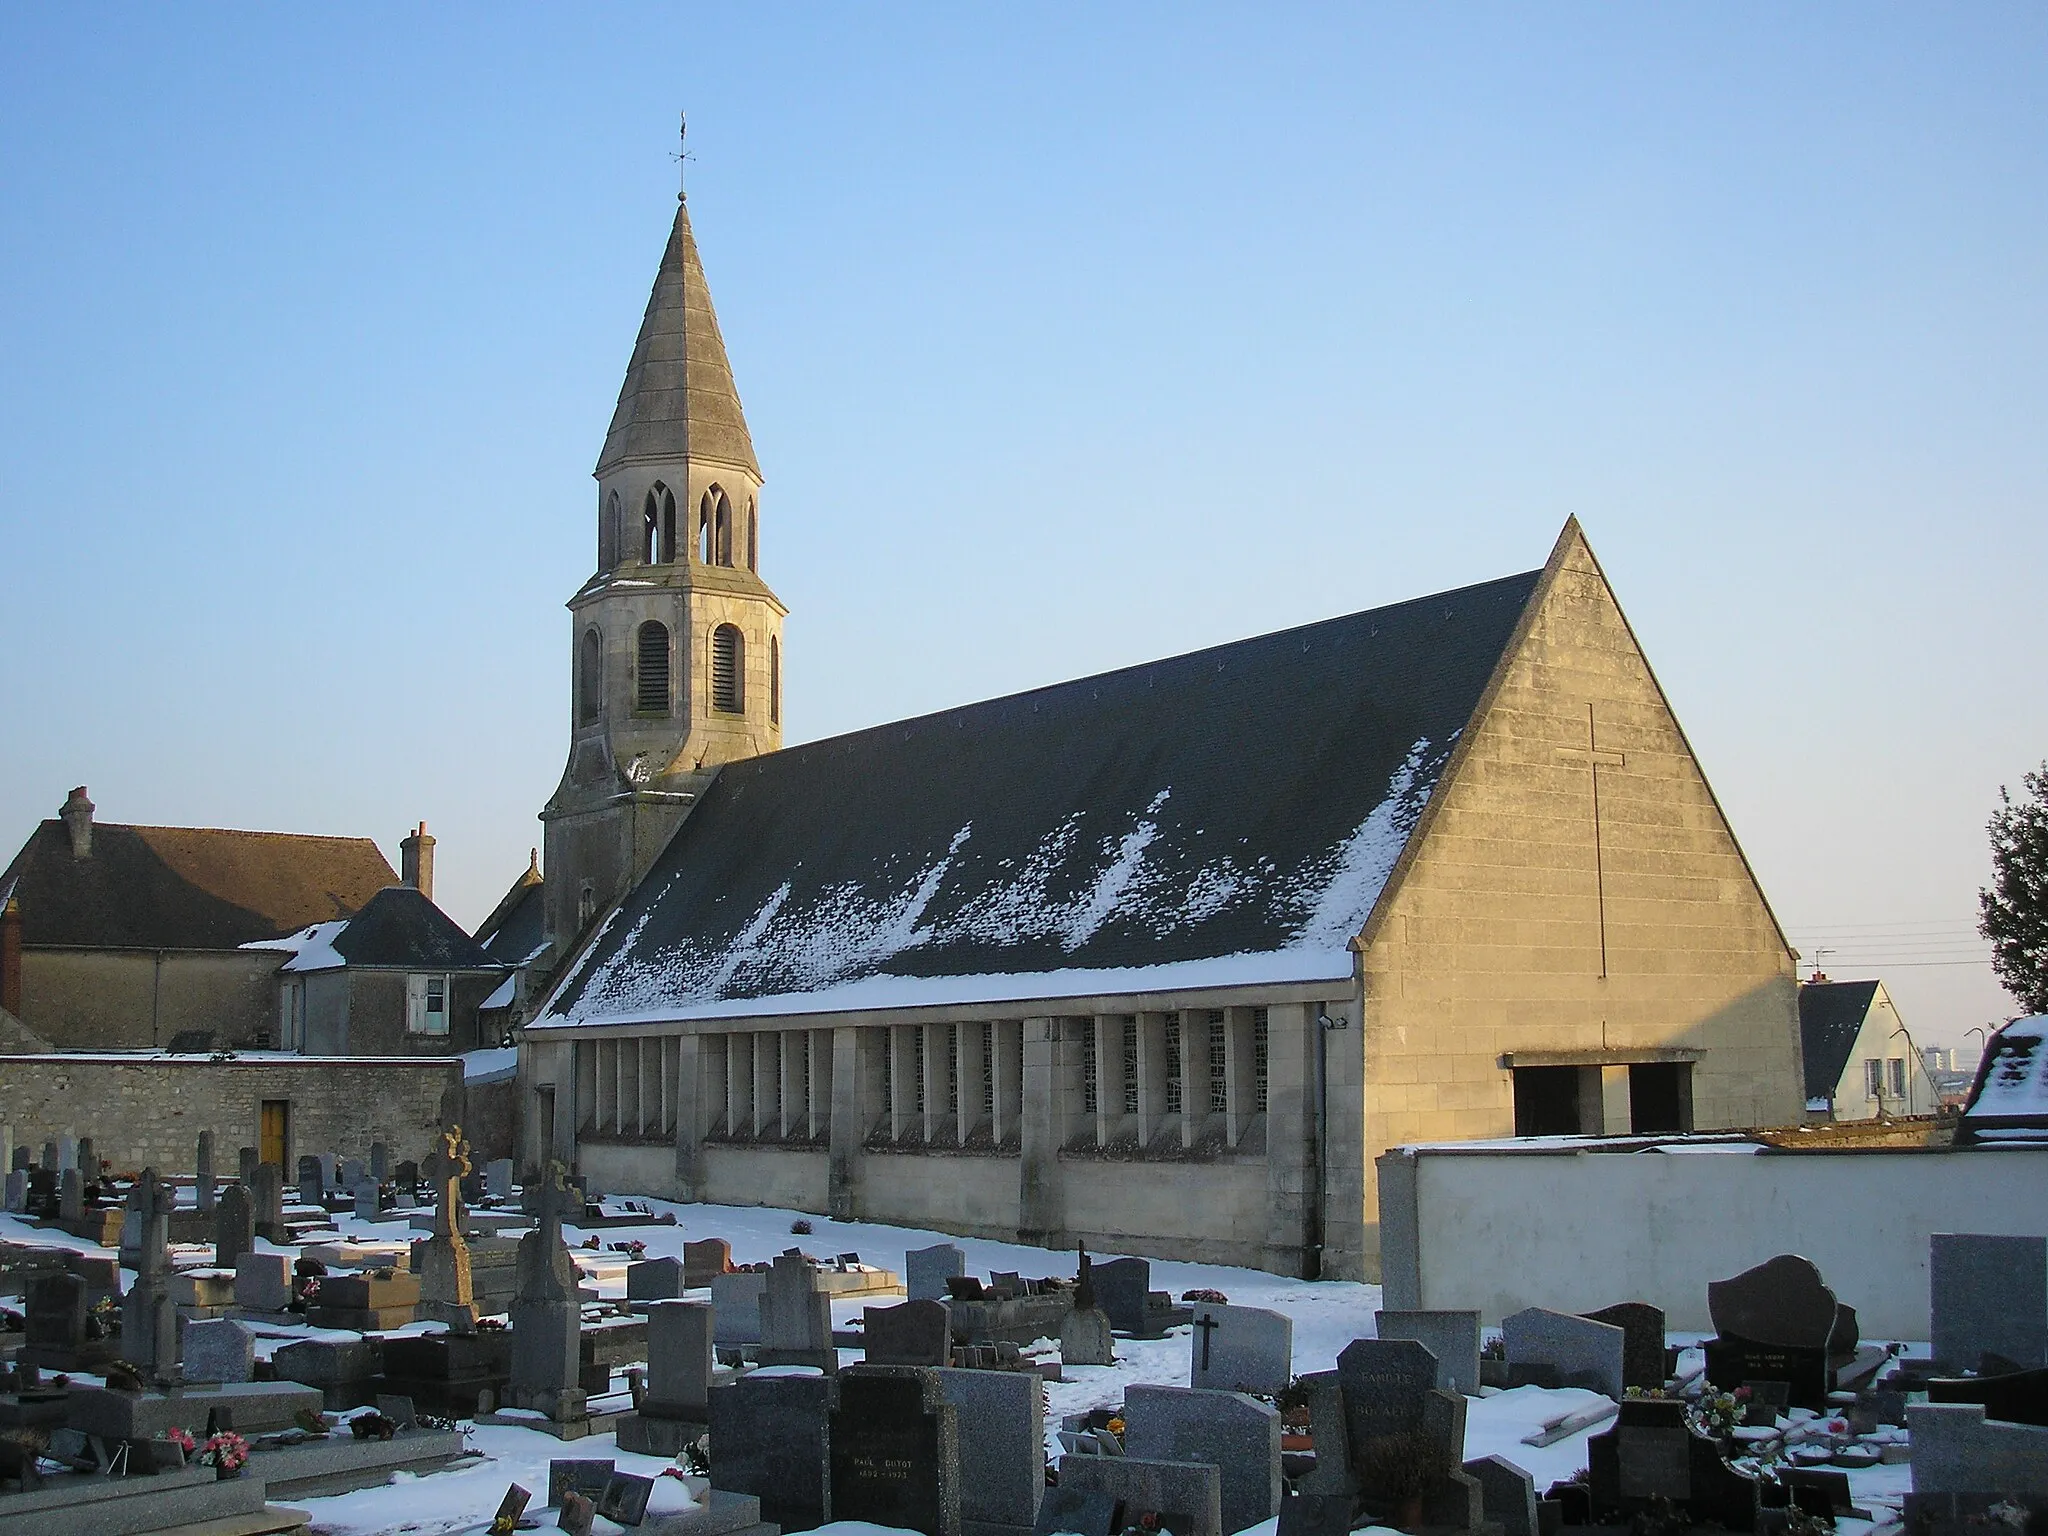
[{"x": 676, "y": 641}]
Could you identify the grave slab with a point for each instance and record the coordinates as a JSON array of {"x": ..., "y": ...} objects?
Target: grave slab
[
  {"x": 1238, "y": 1435},
  {"x": 1240, "y": 1349},
  {"x": 1186, "y": 1497},
  {"x": 1002, "y": 1456},
  {"x": 1453, "y": 1337},
  {"x": 1584, "y": 1353}
]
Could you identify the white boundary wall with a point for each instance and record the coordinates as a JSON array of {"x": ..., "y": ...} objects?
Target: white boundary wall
[{"x": 1576, "y": 1227}]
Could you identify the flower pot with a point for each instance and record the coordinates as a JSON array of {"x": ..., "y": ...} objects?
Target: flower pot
[
  {"x": 1408, "y": 1514},
  {"x": 222, "y": 1474}
]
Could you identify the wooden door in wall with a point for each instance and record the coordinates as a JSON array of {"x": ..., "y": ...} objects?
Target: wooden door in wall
[{"x": 274, "y": 1139}]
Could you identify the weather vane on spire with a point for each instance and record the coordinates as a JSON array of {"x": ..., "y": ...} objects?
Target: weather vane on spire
[{"x": 682, "y": 151}]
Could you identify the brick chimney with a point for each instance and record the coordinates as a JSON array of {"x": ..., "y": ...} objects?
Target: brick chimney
[
  {"x": 10, "y": 957},
  {"x": 76, "y": 813},
  {"x": 416, "y": 861}
]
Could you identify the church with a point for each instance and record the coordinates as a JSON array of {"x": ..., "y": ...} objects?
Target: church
[{"x": 1160, "y": 960}]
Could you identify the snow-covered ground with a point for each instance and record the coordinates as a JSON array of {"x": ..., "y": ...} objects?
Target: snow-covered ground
[{"x": 1327, "y": 1315}]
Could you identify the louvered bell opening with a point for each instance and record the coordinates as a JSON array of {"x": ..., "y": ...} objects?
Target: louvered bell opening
[
  {"x": 651, "y": 695},
  {"x": 726, "y": 691}
]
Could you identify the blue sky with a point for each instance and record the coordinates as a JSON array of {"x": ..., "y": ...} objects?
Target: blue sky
[{"x": 1068, "y": 337}]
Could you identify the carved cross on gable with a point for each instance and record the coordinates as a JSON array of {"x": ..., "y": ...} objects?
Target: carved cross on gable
[{"x": 1593, "y": 757}]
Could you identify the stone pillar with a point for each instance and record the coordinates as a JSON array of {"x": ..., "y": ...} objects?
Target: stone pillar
[
  {"x": 566, "y": 1117},
  {"x": 849, "y": 1100},
  {"x": 1617, "y": 1117},
  {"x": 689, "y": 1089},
  {"x": 1049, "y": 1059},
  {"x": 1350, "y": 1252},
  {"x": 973, "y": 1064},
  {"x": 1291, "y": 1030}
]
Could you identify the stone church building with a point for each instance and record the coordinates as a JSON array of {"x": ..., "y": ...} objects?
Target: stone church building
[{"x": 1159, "y": 960}]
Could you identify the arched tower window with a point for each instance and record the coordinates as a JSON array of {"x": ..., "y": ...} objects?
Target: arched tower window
[
  {"x": 650, "y": 694},
  {"x": 753, "y": 539},
  {"x": 608, "y": 527},
  {"x": 775, "y": 679},
  {"x": 658, "y": 526},
  {"x": 722, "y": 538},
  {"x": 728, "y": 670},
  {"x": 705, "y": 515},
  {"x": 589, "y": 678}
]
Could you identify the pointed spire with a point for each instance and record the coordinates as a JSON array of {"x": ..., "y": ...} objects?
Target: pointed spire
[{"x": 678, "y": 401}]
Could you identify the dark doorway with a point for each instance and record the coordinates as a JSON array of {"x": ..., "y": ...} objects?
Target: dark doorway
[
  {"x": 1546, "y": 1101},
  {"x": 1660, "y": 1097}
]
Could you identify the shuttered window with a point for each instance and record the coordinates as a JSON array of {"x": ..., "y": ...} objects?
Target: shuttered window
[
  {"x": 651, "y": 690},
  {"x": 728, "y": 661}
]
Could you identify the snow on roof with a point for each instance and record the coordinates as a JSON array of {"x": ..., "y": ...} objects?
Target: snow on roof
[
  {"x": 490, "y": 1066},
  {"x": 2015, "y": 1075},
  {"x": 1227, "y": 817},
  {"x": 312, "y": 948}
]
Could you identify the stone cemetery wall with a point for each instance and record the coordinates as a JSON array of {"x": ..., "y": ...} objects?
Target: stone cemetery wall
[
  {"x": 1502, "y": 1228},
  {"x": 150, "y": 1112}
]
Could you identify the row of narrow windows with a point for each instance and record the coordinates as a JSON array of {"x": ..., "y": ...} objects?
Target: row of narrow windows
[
  {"x": 716, "y": 531},
  {"x": 653, "y": 669}
]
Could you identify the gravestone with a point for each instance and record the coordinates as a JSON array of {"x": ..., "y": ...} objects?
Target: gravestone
[
  {"x": 1241, "y": 1349},
  {"x": 17, "y": 1191},
  {"x": 1314, "y": 1514},
  {"x": 312, "y": 1182},
  {"x": 1457, "y": 1500},
  {"x": 926, "y": 1270},
  {"x": 55, "y": 1311},
  {"x": 406, "y": 1180},
  {"x": 1651, "y": 1453},
  {"x": 768, "y": 1438},
  {"x": 1122, "y": 1289},
  {"x": 70, "y": 1195},
  {"x": 1183, "y": 1497},
  {"x": 266, "y": 1196},
  {"x": 1781, "y": 1301},
  {"x": 1990, "y": 1296},
  {"x": 796, "y": 1318},
  {"x": 547, "y": 1316},
  {"x": 674, "y": 1404},
  {"x": 380, "y": 1162},
  {"x": 245, "y": 1165},
  {"x": 88, "y": 1159},
  {"x": 624, "y": 1499},
  {"x": 1957, "y": 1448},
  {"x": 584, "y": 1475},
  {"x": 1509, "y": 1494},
  {"x": 22, "y": 1158},
  {"x": 1332, "y": 1475},
  {"x": 1238, "y": 1435},
  {"x": 1069, "y": 1510},
  {"x": 263, "y": 1281},
  {"x": 330, "y": 1170},
  {"x": 498, "y": 1179},
  {"x": 1385, "y": 1382},
  {"x": 202, "y": 1181},
  {"x": 49, "y": 1157},
  {"x": 447, "y": 1291},
  {"x": 1453, "y": 1337},
  {"x": 149, "y": 1317},
  {"x": 1805, "y": 1372},
  {"x": 705, "y": 1260},
  {"x": 1584, "y": 1353},
  {"x": 352, "y": 1173},
  {"x": 2019, "y": 1397},
  {"x": 369, "y": 1201},
  {"x": 654, "y": 1280},
  {"x": 234, "y": 1227},
  {"x": 914, "y": 1333},
  {"x": 219, "y": 1350},
  {"x": 1642, "y": 1345},
  {"x": 736, "y": 1303},
  {"x": 895, "y": 1450},
  {"x": 1086, "y": 1337},
  {"x": 67, "y": 1152},
  {"x": 1002, "y": 1456}
]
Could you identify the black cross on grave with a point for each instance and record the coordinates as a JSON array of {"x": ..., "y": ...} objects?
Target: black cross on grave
[
  {"x": 1593, "y": 757},
  {"x": 1206, "y": 1325}
]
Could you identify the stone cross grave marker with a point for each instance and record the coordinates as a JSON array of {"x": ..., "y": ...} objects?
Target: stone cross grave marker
[
  {"x": 149, "y": 1318},
  {"x": 926, "y": 1270},
  {"x": 1241, "y": 1349},
  {"x": 1453, "y": 1337},
  {"x": 547, "y": 1315},
  {"x": 1584, "y": 1353},
  {"x": 202, "y": 1180},
  {"x": 1002, "y": 1457},
  {"x": 895, "y": 1450},
  {"x": 1990, "y": 1296},
  {"x": 447, "y": 1290},
  {"x": 1237, "y": 1435}
]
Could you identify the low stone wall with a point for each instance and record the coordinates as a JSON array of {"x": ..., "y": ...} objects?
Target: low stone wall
[
  {"x": 1575, "y": 1227},
  {"x": 148, "y": 1111}
]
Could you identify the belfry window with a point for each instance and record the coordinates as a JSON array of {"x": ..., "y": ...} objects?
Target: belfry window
[
  {"x": 589, "y": 678},
  {"x": 608, "y": 531},
  {"x": 753, "y": 539},
  {"x": 728, "y": 670},
  {"x": 650, "y": 694},
  {"x": 658, "y": 526},
  {"x": 707, "y": 511},
  {"x": 775, "y": 679},
  {"x": 722, "y": 531}
]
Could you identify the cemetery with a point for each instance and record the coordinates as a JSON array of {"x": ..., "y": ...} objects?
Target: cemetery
[{"x": 383, "y": 1345}]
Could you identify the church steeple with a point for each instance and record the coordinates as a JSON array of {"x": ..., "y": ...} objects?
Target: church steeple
[{"x": 676, "y": 663}]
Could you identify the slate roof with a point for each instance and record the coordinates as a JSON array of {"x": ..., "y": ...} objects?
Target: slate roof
[
  {"x": 185, "y": 887},
  {"x": 512, "y": 933},
  {"x": 1227, "y": 815},
  {"x": 397, "y": 929},
  {"x": 679, "y": 400},
  {"x": 1831, "y": 1015}
]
